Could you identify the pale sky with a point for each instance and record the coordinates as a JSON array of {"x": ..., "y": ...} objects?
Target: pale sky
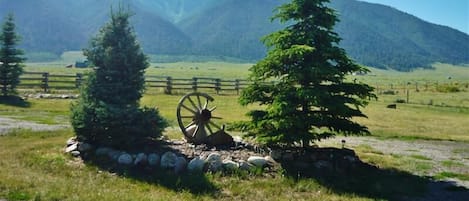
[{"x": 452, "y": 13}]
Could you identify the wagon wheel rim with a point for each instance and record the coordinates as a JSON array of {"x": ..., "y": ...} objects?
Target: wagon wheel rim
[{"x": 194, "y": 112}]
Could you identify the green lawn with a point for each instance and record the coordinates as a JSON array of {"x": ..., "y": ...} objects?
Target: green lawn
[{"x": 33, "y": 167}]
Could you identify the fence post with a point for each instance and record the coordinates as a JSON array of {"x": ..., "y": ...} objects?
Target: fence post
[
  {"x": 78, "y": 80},
  {"x": 237, "y": 86},
  {"x": 217, "y": 85},
  {"x": 169, "y": 85},
  {"x": 194, "y": 83},
  {"x": 45, "y": 81}
]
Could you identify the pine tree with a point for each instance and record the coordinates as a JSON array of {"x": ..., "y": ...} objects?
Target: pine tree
[
  {"x": 108, "y": 110},
  {"x": 10, "y": 58},
  {"x": 302, "y": 81}
]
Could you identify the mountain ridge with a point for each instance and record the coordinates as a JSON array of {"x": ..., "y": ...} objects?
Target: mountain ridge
[{"x": 373, "y": 34}]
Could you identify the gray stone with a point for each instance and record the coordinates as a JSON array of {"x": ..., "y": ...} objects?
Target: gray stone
[
  {"x": 84, "y": 147},
  {"x": 230, "y": 165},
  {"x": 140, "y": 159},
  {"x": 102, "y": 151},
  {"x": 243, "y": 165},
  {"x": 196, "y": 165},
  {"x": 125, "y": 159},
  {"x": 180, "y": 165},
  {"x": 114, "y": 154},
  {"x": 276, "y": 154},
  {"x": 168, "y": 160},
  {"x": 258, "y": 161},
  {"x": 71, "y": 148},
  {"x": 153, "y": 159},
  {"x": 75, "y": 153},
  {"x": 214, "y": 162}
]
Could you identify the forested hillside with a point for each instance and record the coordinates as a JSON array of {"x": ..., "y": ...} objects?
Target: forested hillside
[{"x": 373, "y": 34}]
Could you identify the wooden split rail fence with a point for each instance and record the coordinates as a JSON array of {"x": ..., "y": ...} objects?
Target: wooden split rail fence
[{"x": 45, "y": 81}]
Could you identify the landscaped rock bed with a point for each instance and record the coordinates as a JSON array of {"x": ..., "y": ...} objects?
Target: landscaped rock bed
[{"x": 181, "y": 157}]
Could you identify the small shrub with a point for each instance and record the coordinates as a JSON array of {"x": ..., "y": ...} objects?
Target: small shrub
[
  {"x": 447, "y": 88},
  {"x": 400, "y": 101},
  {"x": 389, "y": 92}
]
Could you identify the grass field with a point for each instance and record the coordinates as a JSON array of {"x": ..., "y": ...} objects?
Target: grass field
[{"x": 33, "y": 167}]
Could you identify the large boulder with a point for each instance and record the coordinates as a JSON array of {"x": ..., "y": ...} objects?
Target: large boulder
[
  {"x": 219, "y": 138},
  {"x": 196, "y": 165},
  {"x": 168, "y": 160}
]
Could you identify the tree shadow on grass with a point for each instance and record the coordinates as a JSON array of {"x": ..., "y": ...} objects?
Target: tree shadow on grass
[
  {"x": 197, "y": 183},
  {"x": 14, "y": 101},
  {"x": 378, "y": 183}
]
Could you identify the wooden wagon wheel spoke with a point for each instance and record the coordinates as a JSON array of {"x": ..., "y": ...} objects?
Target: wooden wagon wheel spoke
[
  {"x": 214, "y": 124},
  {"x": 193, "y": 104},
  {"x": 198, "y": 100},
  {"x": 213, "y": 117},
  {"x": 188, "y": 117},
  {"x": 213, "y": 108},
  {"x": 209, "y": 129},
  {"x": 191, "y": 124},
  {"x": 206, "y": 104},
  {"x": 187, "y": 108}
]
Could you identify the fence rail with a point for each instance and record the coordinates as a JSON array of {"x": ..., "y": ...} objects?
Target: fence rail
[{"x": 45, "y": 81}]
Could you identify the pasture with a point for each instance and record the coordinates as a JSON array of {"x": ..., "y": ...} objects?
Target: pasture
[{"x": 33, "y": 166}]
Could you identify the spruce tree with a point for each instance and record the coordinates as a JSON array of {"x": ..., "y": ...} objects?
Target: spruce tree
[
  {"x": 108, "y": 110},
  {"x": 302, "y": 80},
  {"x": 10, "y": 57}
]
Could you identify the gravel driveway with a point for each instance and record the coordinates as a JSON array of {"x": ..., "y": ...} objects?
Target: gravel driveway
[{"x": 8, "y": 125}]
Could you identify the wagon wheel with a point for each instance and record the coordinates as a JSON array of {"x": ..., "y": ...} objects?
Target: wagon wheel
[{"x": 195, "y": 117}]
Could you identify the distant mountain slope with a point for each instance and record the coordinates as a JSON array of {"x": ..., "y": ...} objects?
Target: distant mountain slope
[
  {"x": 373, "y": 34},
  {"x": 384, "y": 37},
  {"x": 233, "y": 28}
]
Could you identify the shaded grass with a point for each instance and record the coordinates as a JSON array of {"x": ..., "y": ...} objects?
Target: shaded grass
[{"x": 443, "y": 175}]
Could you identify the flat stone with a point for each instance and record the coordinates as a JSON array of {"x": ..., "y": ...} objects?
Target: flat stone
[
  {"x": 243, "y": 165},
  {"x": 258, "y": 161},
  {"x": 71, "y": 141},
  {"x": 71, "y": 148},
  {"x": 75, "y": 153}
]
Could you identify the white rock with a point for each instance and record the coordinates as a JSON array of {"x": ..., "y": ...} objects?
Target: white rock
[
  {"x": 84, "y": 147},
  {"x": 230, "y": 165},
  {"x": 196, "y": 165},
  {"x": 125, "y": 159},
  {"x": 168, "y": 160},
  {"x": 71, "y": 148},
  {"x": 75, "y": 153},
  {"x": 214, "y": 162},
  {"x": 71, "y": 141},
  {"x": 140, "y": 159},
  {"x": 102, "y": 151},
  {"x": 153, "y": 159},
  {"x": 258, "y": 161},
  {"x": 181, "y": 164}
]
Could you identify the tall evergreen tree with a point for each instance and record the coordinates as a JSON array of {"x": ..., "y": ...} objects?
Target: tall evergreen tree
[
  {"x": 108, "y": 109},
  {"x": 10, "y": 57},
  {"x": 310, "y": 98}
]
